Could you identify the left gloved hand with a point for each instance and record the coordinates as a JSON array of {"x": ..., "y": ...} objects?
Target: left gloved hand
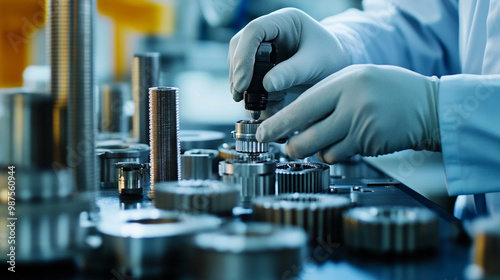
[{"x": 361, "y": 109}]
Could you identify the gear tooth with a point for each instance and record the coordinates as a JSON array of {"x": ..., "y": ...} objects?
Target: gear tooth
[{"x": 309, "y": 178}]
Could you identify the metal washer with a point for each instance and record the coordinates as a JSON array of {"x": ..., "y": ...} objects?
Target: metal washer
[
  {"x": 391, "y": 229},
  {"x": 302, "y": 177},
  {"x": 319, "y": 214}
]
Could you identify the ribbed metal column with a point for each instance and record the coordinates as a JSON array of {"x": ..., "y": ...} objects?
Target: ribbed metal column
[
  {"x": 70, "y": 47},
  {"x": 164, "y": 133},
  {"x": 145, "y": 74}
]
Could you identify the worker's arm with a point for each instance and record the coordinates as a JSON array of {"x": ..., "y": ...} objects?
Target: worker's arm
[{"x": 418, "y": 35}]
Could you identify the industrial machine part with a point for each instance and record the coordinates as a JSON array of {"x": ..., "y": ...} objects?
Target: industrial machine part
[
  {"x": 391, "y": 230},
  {"x": 228, "y": 151},
  {"x": 256, "y": 95},
  {"x": 145, "y": 75},
  {"x": 319, "y": 214},
  {"x": 149, "y": 242},
  {"x": 110, "y": 155},
  {"x": 113, "y": 115},
  {"x": 197, "y": 196},
  {"x": 302, "y": 177},
  {"x": 248, "y": 251},
  {"x": 486, "y": 249},
  {"x": 200, "y": 139},
  {"x": 43, "y": 231},
  {"x": 165, "y": 163},
  {"x": 131, "y": 178},
  {"x": 244, "y": 134},
  {"x": 70, "y": 26},
  {"x": 257, "y": 178},
  {"x": 200, "y": 164},
  {"x": 26, "y": 123}
]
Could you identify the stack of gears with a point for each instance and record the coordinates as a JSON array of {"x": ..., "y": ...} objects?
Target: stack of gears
[
  {"x": 319, "y": 214},
  {"x": 196, "y": 196},
  {"x": 391, "y": 230},
  {"x": 302, "y": 177}
]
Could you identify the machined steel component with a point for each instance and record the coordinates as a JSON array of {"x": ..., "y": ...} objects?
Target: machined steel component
[
  {"x": 110, "y": 155},
  {"x": 145, "y": 74},
  {"x": 26, "y": 123},
  {"x": 319, "y": 214},
  {"x": 302, "y": 177},
  {"x": 228, "y": 151},
  {"x": 149, "y": 242},
  {"x": 113, "y": 115},
  {"x": 257, "y": 178},
  {"x": 248, "y": 251},
  {"x": 486, "y": 248},
  {"x": 391, "y": 230},
  {"x": 131, "y": 178},
  {"x": 165, "y": 163},
  {"x": 200, "y": 139},
  {"x": 70, "y": 28},
  {"x": 244, "y": 134},
  {"x": 200, "y": 164},
  {"x": 197, "y": 196},
  {"x": 45, "y": 231}
]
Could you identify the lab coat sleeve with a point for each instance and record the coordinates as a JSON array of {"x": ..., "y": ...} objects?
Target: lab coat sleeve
[
  {"x": 418, "y": 35},
  {"x": 469, "y": 125}
]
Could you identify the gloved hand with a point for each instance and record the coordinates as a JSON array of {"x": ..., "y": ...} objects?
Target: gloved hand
[
  {"x": 307, "y": 52},
  {"x": 362, "y": 109}
]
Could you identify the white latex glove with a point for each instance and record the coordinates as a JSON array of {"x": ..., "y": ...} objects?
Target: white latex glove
[
  {"x": 307, "y": 52},
  {"x": 362, "y": 109}
]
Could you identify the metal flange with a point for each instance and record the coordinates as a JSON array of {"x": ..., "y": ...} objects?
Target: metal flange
[
  {"x": 319, "y": 214},
  {"x": 302, "y": 177},
  {"x": 196, "y": 196},
  {"x": 248, "y": 251},
  {"x": 391, "y": 230}
]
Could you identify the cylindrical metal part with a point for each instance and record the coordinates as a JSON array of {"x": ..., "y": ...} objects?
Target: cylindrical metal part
[
  {"x": 70, "y": 26},
  {"x": 164, "y": 157},
  {"x": 302, "y": 177},
  {"x": 26, "y": 124},
  {"x": 257, "y": 178},
  {"x": 486, "y": 249},
  {"x": 110, "y": 155},
  {"x": 244, "y": 134},
  {"x": 200, "y": 139},
  {"x": 149, "y": 242},
  {"x": 319, "y": 214},
  {"x": 248, "y": 251},
  {"x": 145, "y": 75},
  {"x": 393, "y": 230},
  {"x": 131, "y": 178},
  {"x": 114, "y": 117},
  {"x": 197, "y": 196},
  {"x": 200, "y": 164}
]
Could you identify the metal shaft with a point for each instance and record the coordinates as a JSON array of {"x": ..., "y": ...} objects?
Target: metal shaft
[
  {"x": 70, "y": 45},
  {"x": 164, "y": 133},
  {"x": 145, "y": 74}
]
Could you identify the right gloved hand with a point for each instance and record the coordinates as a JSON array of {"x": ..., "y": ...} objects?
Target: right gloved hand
[{"x": 307, "y": 52}]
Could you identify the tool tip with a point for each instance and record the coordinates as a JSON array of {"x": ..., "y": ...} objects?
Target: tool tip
[{"x": 255, "y": 114}]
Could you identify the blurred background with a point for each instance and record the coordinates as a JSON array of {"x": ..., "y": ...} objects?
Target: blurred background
[{"x": 191, "y": 35}]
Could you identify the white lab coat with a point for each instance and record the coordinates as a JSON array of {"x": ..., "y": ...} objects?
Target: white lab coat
[{"x": 458, "y": 41}]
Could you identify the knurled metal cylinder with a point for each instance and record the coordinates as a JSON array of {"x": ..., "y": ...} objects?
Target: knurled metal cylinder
[
  {"x": 70, "y": 25},
  {"x": 319, "y": 214},
  {"x": 165, "y": 164},
  {"x": 197, "y": 196},
  {"x": 145, "y": 75},
  {"x": 302, "y": 177},
  {"x": 392, "y": 230},
  {"x": 257, "y": 178},
  {"x": 244, "y": 134},
  {"x": 248, "y": 251}
]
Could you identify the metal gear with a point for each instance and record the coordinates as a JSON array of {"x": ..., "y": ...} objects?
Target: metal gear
[
  {"x": 302, "y": 177},
  {"x": 196, "y": 196},
  {"x": 319, "y": 214},
  {"x": 391, "y": 230}
]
